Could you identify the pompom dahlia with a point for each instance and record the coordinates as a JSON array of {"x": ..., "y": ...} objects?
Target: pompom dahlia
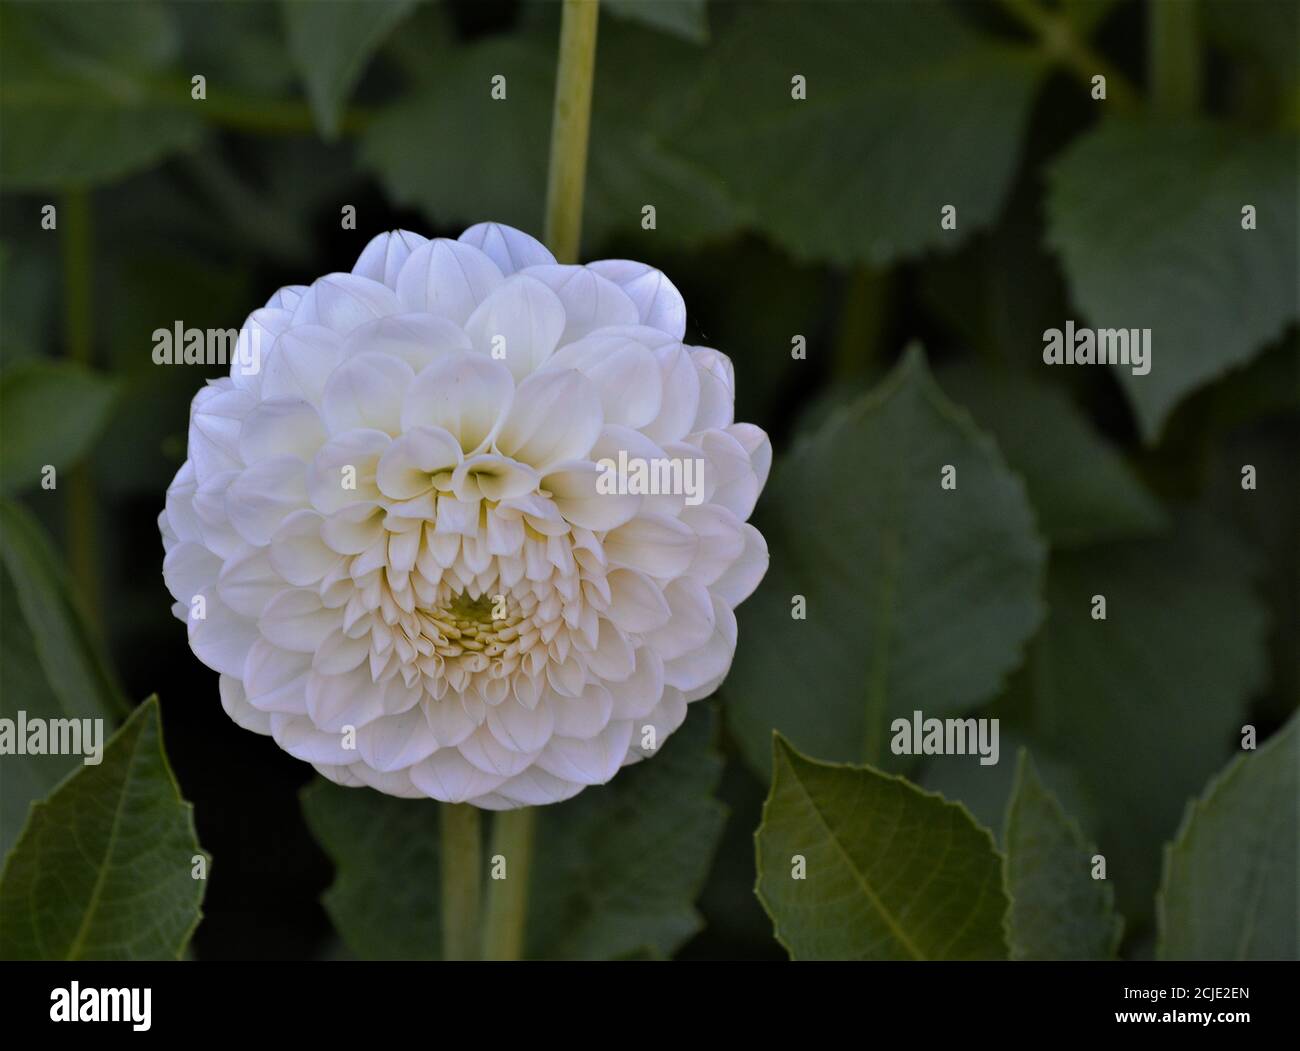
[{"x": 472, "y": 524}]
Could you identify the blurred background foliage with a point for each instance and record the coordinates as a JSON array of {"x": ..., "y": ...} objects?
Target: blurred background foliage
[{"x": 776, "y": 219}]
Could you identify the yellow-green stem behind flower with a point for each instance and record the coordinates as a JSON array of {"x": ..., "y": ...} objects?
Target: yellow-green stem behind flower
[
  {"x": 570, "y": 125},
  {"x": 462, "y": 880}
]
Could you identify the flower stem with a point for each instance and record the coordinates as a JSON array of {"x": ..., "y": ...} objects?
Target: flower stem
[
  {"x": 1173, "y": 61},
  {"x": 80, "y": 506},
  {"x": 507, "y": 912},
  {"x": 570, "y": 125},
  {"x": 462, "y": 887}
]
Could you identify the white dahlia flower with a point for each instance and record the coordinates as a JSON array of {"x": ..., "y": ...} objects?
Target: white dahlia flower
[{"x": 401, "y": 539}]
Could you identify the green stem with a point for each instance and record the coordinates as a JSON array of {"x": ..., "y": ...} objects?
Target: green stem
[
  {"x": 863, "y": 315},
  {"x": 570, "y": 126},
  {"x": 1173, "y": 56},
  {"x": 507, "y": 912},
  {"x": 462, "y": 880},
  {"x": 1061, "y": 41},
  {"x": 78, "y": 269}
]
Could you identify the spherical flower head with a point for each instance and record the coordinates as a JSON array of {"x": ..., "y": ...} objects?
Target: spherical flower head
[{"x": 466, "y": 523}]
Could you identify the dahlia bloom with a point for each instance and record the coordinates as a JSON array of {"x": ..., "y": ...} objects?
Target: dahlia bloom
[{"x": 395, "y": 536}]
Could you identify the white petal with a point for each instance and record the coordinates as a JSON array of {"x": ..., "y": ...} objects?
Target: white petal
[
  {"x": 296, "y": 620},
  {"x": 719, "y": 540},
  {"x": 297, "y": 736},
  {"x": 664, "y": 719},
  {"x": 656, "y": 544},
  {"x": 258, "y": 500},
  {"x": 680, "y": 404},
  {"x": 743, "y": 576},
  {"x": 297, "y": 551},
  {"x": 408, "y": 465},
  {"x": 757, "y": 444},
  {"x": 519, "y": 323},
  {"x": 216, "y": 416},
  {"x": 353, "y": 529},
  {"x": 556, "y": 416},
  {"x": 521, "y": 729},
  {"x": 590, "y": 301},
  {"x": 717, "y": 389},
  {"x": 343, "y": 301},
  {"x": 708, "y": 664},
  {"x": 636, "y": 603},
  {"x": 638, "y": 695},
  {"x": 300, "y": 362},
  {"x": 188, "y": 569},
  {"x": 418, "y": 339},
  {"x": 493, "y": 477},
  {"x": 383, "y": 257},
  {"x": 512, "y": 250},
  {"x": 275, "y": 680},
  {"x": 256, "y": 339},
  {"x": 447, "y": 278},
  {"x": 729, "y": 474},
  {"x": 396, "y": 742},
  {"x": 236, "y": 705},
  {"x": 281, "y": 427},
  {"x": 692, "y": 621},
  {"x": 657, "y": 300},
  {"x": 286, "y": 298},
  {"x": 582, "y": 717},
  {"x": 448, "y": 721},
  {"x": 582, "y": 496},
  {"x": 625, "y": 372},
  {"x": 590, "y": 762},
  {"x": 220, "y": 638},
  {"x": 449, "y": 777},
  {"x": 366, "y": 391},
  {"x": 336, "y": 702},
  {"x": 248, "y": 581},
  {"x": 535, "y": 787},
  {"x": 485, "y": 751},
  {"x": 343, "y": 472},
  {"x": 180, "y": 504},
  {"x": 465, "y": 394}
]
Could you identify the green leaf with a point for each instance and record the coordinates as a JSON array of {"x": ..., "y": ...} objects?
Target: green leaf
[
  {"x": 615, "y": 870},
  {"x": 1058, "y": 911},
  {"x": 900, "y": 97},
  {"x": 1145, "y": 246},
  {"x": 80, "y": 94},
  {"x": 103, "y": 869},
  {"x": 917, "y": 597},
  {"x": 1230, "y": 880},
  {"x": 73, "y": 661},
  {"x": 50, "y": 413},
  {"x": 618, "y": 868},
  {"x": 1147, "y": 701},
  {"x": 330, "y": 44},
  {"x": 462, "y": 156},
  {"x": 891, "y": 872},
  {"x": 688, "y": 19},
  {"x": 23, "y": 687},
  {"x": 1081, "y": 488},
  {"x": 385, "y": 897}
]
